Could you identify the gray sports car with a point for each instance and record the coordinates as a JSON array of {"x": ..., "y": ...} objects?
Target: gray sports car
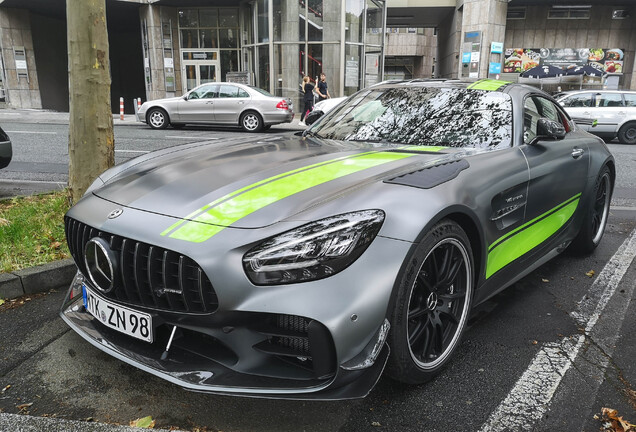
[
  {"x": 229, "y": 104},
  {"x": 290, "y": 268}
]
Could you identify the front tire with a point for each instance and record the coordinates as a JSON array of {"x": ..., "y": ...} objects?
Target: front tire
[
  {"x": 627, "y": 133},
  {"x": 158, "y": 118},
  {"x": 251, "y": 122},
  {"x": 595, "y": 218},
  {"x": 432, "y": 304}
]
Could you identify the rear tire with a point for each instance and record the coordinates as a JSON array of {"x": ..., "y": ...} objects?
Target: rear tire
[
  {"x": 158, "y": 118},
  {"x": 595, "y": 218},
  {"x": 432, "y": 304},
  {"x": 251, "y": 122},
  {"x": 627, "y": 133}
]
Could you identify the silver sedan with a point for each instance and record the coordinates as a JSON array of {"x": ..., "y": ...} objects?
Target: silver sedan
[{"x": 222, "y": 103}]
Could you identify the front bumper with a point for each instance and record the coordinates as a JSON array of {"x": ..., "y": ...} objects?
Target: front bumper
[{"x": 239, "y": 353}]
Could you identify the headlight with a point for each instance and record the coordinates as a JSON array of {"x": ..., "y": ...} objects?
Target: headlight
[{"x": 313, "y": 251}]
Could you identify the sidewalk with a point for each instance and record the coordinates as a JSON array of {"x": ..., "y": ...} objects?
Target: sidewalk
[{"x": 54, "y": 117}]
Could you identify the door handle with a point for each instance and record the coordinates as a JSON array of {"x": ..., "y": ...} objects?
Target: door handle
[
  {"x": 209, "y": 103},
  {"x": 240, "y": 102},
  {"x": 577, "y": 153},
  {"x": 621, "y": 113},
  {"x": 586, "y": 112}
]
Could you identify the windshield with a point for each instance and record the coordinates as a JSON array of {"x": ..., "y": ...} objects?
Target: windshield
[{"x": 451, "y": 117}]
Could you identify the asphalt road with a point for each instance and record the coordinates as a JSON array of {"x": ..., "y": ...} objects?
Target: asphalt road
[{"x": 546, "y": 354}]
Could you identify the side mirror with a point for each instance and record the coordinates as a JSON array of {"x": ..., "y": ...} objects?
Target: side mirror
[{"x": 549, "y": 129}]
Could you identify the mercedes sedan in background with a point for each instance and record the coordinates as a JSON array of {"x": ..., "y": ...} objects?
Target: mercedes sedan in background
[
  {"x": 6, "y": 151},
  {"x": 229, "y": 104},
  {"x": 303, "y": 267}
]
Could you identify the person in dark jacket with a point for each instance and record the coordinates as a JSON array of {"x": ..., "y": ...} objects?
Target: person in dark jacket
[
  {"x": 308, "y": 99},
  {"x": 323, "y": 91}
]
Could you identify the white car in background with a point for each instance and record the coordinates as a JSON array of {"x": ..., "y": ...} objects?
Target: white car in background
[
  {"x": 605, "y": 113},
  {"x": 322, "y": 108}
]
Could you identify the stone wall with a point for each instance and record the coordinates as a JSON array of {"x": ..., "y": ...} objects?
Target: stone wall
[{"x": 15, "y": 30}]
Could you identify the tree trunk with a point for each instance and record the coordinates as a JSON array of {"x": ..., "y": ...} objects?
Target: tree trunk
[{"x": 91, "y": 144}]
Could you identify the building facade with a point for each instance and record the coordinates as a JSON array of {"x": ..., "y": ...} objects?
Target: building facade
[{"x": 271, "y": 44}]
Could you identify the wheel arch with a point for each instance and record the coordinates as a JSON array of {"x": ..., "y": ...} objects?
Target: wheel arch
[
  {"x": 248, "y": 110},
  {"x": 157, "y": 107},
  {"x": 469, "y": 222}
]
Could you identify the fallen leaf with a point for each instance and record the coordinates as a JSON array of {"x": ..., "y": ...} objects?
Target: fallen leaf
[
  {"x": 8, "y": 386},
  {"x": 617, "y": 424},
  {"x": 590, "y": 273},
  {"x": 1, "y": 302},
  {"x": 24, "y": 406},
  {"x": 56, "y": 245},
  {"x": 4, "y": 222},
  {"x": 545, "y": 280},
  {"x": 144, "y": 422},
  {"x": 376, "y": 424},
  {"x": 534, "y": 342}
]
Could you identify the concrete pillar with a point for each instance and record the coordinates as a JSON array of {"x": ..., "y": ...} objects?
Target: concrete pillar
[
  {"x": 153, "y": 15},
  {"x": 22, "y": 91},
  {"x": 488, "y": 17},
  {"x": 448, "y": 46}
]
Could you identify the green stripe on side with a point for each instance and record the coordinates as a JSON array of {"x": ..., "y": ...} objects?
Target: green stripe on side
[
  {"x": 528, "y": 236},
  {"x": 196, "y": 213},
  {"x": 488, "y": 84},
  {"x": 255, "y": 198},
  {"x": 527, "y": 224}
]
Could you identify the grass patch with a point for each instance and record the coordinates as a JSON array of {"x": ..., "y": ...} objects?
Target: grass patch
[{"x": 32, "y": 230}]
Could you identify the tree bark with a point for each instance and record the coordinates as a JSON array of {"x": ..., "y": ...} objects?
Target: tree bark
[{"x": 91, "y": 144}]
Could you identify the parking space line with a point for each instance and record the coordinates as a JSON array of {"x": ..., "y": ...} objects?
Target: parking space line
[{"x": 529, "y": 399}]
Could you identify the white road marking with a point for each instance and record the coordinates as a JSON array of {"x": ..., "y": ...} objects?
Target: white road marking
[
  {"x": 529, "y": 399},
  {"x": 191, "y": 137},
  {"x": 132, "y": 151},
  {"x": 62, "y": 184},
  {"x": 30, "y": 132}
]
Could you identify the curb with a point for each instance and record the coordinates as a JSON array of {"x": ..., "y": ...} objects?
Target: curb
[{"x": 37, "y": 279}]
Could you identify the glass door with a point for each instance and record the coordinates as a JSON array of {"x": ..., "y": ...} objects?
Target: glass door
[{"x": 197, "y": 72}]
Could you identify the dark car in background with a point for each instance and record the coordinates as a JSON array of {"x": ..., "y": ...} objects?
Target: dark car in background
[
  {"x": 6, "y": 151},
  {"x": 605, "y": 113},
  {"x": 301, "y": 267}
]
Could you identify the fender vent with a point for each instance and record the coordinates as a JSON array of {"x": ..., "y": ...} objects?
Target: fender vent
[{"x": 428, "y": 178}]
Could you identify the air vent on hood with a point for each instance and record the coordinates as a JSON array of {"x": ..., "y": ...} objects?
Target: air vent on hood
[{"x": 428, "y": 178}]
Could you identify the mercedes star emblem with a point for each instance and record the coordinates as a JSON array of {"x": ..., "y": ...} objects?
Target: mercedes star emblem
[
  {"x": 115, "y": 213},
  {"x": 101, "y": 264}
]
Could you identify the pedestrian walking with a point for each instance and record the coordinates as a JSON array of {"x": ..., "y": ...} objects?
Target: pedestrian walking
[
  {"x": 323, "y": 91},
  {"x": 308, "y": 99}
]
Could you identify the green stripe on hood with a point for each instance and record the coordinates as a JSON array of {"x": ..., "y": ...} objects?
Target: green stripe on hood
[{"x": 216, "y": 216}]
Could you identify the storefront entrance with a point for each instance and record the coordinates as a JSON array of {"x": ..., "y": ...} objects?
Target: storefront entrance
[{"x": 197, "y": 72}]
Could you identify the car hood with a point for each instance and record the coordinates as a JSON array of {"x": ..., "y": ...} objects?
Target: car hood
[{"x": 258, "y": 183}]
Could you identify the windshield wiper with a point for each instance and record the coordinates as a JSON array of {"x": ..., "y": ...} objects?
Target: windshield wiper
[{"x": 310, "y": 133}]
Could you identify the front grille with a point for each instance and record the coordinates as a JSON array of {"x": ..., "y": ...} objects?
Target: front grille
[{"x": 145, "y": 271}]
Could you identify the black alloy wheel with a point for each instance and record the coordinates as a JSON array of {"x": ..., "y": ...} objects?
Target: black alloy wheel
[
  {"x": 433, "y": 304},
  {"x": 596, "y": 214}
]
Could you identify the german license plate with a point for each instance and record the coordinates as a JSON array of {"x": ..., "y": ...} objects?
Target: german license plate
[{"x": 124, "y": 320}]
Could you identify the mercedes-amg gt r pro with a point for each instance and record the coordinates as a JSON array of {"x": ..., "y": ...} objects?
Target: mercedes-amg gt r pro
[{"x": 303, "y": 266}]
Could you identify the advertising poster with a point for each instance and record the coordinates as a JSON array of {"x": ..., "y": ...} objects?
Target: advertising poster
[{"x": 609, "y": 60}]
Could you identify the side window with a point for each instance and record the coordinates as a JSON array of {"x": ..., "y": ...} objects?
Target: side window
[
  {"x": 228, "y": 91},
  {"x": 242, "y": 93},
  {"x": 530, "y": 118},
  {"x": 630, "y": 99},
  {"x": 609, "y": 100},
  {"x": 205, "y": 92},
  {"x": 577, "y": 101}
]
